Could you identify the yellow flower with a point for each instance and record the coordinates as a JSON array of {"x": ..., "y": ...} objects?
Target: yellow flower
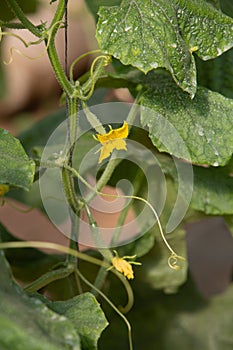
[
  {"x": 124, "y": 266},
  {"x": 114, "y": 139},
  {"x": 3, "y": 189}
]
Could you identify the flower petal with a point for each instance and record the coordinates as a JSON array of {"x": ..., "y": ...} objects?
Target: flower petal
[{"x": 120, "y": 133}]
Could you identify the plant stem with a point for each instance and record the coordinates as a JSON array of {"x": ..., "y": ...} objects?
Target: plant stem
[
  {"x": 72, "y": 121},
  {"x": 49, "y": 277},
  {"x": 52, "y": 52},
  {"x": 68, "y": 186},
  {"x": 23, "y": 19},
  {"x": 58, "y": 70},
  {"x": 58, "y": 14},
  {"x": 67, "y": 178},
  {"x": 72, "y": 106}
]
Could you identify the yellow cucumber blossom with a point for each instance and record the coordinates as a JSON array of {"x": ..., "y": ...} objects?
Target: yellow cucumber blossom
[
  {"x": 114, "y": 139},
  {"x": 124, "y": 266}
]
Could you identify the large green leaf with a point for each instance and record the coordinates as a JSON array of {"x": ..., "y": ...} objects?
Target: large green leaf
[
  {"x": 199, "y": 130},
  {"x": 36, "y": 323},
  {"x": 217, "y": 74},
  {"x": 27, "y": 323},
  {"x": 85, "y": 314},
  {"x": 151, "y": 34},
  {"x": 16, "y": 169}
]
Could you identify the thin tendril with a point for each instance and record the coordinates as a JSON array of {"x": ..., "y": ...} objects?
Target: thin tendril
[
  {"x": 79, "y": 59},
  {"x": 106, "y": 62},
  {"x": 27, "y": 44},
  {"x": 174, "y": 257},
  {"x": 112, "y": 305},
  {"x": 92, "y": 73}
]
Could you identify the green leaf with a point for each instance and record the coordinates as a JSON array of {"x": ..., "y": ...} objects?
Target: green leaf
[
  {"x": 52, "y": 325},
  {"x": 217, "y": 74},
  {"x": 199, "y": 130},
  {"x": 27, "y": 323},
  {"x": 86, "y": 315},
  {"x": 152, "y": 34},
  {"x": 16, "y": 169}
]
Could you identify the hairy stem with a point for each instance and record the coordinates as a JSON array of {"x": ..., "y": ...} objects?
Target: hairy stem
[
  {"x": 23, "y": 19},
  {"x": 58, "y": 70}
]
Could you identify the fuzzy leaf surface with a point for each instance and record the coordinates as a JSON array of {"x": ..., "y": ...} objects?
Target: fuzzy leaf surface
[{"x": 154, "y": 33}]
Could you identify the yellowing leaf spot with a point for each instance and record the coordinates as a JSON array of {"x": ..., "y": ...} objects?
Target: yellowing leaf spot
[{"x": 114, "y": 139}]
